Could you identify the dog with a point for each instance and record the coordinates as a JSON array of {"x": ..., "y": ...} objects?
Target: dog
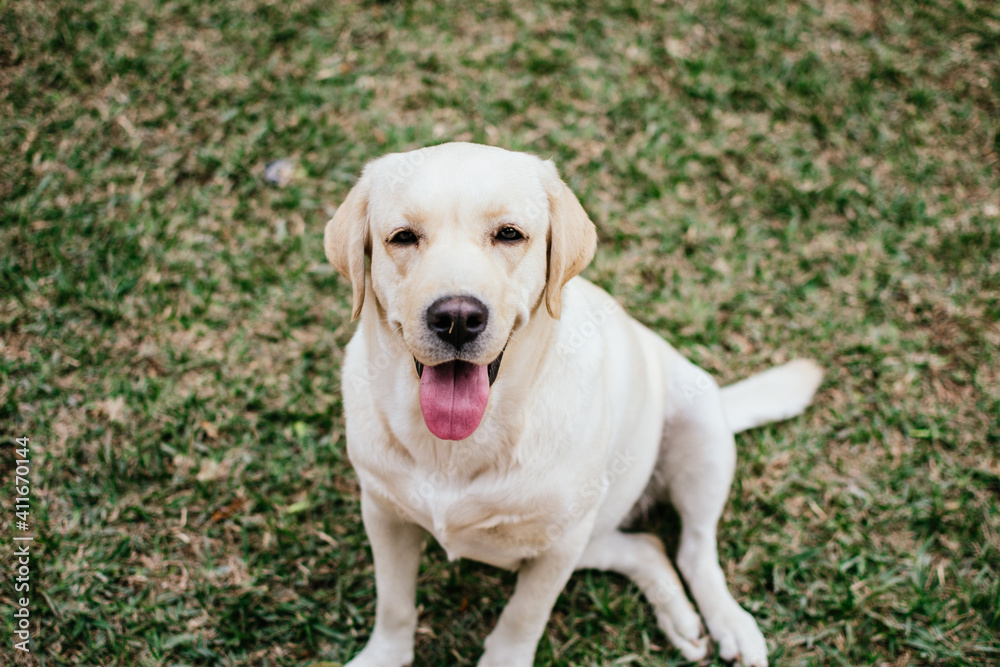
[{"x": 498, "y": 401}]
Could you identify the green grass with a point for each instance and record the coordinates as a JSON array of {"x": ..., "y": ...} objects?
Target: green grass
[{"x": 769, "y": 179}]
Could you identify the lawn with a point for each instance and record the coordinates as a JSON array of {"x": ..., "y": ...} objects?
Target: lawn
[{"x": 769, "y": 180}]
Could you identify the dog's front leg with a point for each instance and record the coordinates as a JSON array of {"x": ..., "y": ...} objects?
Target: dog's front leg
[
  {"x": 539, "y": 582},
  {"x": 396, "y": 548}
]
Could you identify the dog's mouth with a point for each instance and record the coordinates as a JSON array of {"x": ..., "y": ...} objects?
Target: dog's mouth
[{"x": 453, "y": 396}]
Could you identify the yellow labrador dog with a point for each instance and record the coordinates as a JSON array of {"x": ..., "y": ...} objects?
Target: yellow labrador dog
[{"x": 517, "y": 414}]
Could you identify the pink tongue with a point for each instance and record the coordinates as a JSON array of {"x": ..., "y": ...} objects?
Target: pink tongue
[{"x": 453, "y": 398}]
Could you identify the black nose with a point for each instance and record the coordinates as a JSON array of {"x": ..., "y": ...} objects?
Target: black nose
[{"x": 457, "y": 320}]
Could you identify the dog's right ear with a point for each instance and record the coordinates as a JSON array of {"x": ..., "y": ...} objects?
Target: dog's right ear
[{"x": 347, "y": 240}]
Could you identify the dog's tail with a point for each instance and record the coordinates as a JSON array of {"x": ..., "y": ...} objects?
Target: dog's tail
[{"x": 775, "y": 394}]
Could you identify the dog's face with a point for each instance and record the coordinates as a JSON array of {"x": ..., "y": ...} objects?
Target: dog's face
[{"x": 465, "y": 241}]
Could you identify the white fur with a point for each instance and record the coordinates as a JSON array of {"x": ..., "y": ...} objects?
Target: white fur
[
  {"x": 586, "y": 408},
  {"x": 778, "y": 393}
]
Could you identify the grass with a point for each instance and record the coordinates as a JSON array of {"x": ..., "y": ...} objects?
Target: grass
[{"x": 770, "y": 179}]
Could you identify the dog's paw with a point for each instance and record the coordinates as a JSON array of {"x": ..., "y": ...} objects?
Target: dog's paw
[
  {"x": 489, "y": 660},
  {"x": 494, "y": 659},
  {"x": 683, "y": 628},
  {"x": 501, "y": 652},
  {"x": 382, "y": 655},
  {"x": 739, "y": 638},
  {"x": 680, "y": 623}
]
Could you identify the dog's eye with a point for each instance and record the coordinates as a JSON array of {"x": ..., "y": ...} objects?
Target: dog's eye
[
  {"x": 403, "y": 237},
  {"x": 509, "y": 233}
]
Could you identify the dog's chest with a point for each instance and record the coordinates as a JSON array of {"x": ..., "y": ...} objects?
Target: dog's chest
[{"x": 499, "y": 525}]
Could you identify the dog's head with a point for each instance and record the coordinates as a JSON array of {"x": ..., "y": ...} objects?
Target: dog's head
[{"x": 465, "y": 242}]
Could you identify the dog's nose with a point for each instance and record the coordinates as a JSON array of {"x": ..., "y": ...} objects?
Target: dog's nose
[{"x": 457, "y": 320}]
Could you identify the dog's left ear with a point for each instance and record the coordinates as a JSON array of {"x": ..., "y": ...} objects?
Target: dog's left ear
[
  {"x": 572, "y": 238},
  {"x": 347, "y": 240}
]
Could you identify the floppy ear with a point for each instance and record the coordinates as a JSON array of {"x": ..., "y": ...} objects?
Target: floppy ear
[
  {"x": 572, "y": 239},
  {"x": 347, "y": 240}
]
